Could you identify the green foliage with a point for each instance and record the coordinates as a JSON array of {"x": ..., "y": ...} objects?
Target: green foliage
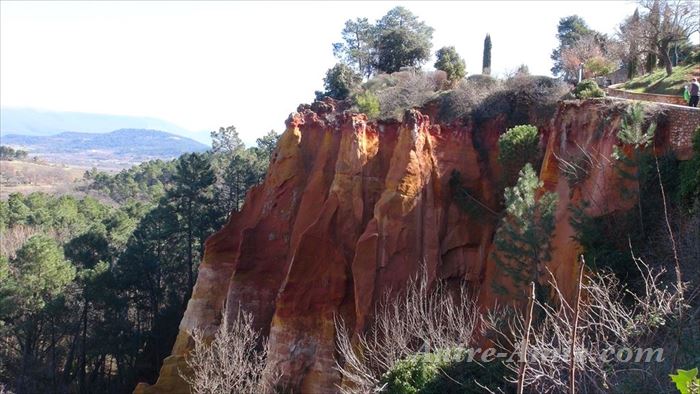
[
  {"x": 687, "y": 382},
  {"x": 358, "y": 46},
  {"x": 638, "y": 134},
  {"x": 402, "y": 41},
  {"x": 397, "y": 40},
  {"x": 244, "y": 170},
  {"x": 111, "y": 298},
  {"x": 599, "y": 65},
  {"x": 38, "y": 273},
  {"x": 88, "y": 249},
  {"x": 449, "y": 61},
  {"x": 368, "y": 104},
  {"x": 588, "y": 88},
  {"x": 486, "y": 60},
  {"x": 569, "y": 31},
  {"x": 226, "y": 140},
  {"x": 467, "y": 201},
  {"x": 267, "y": 145},
  {"x": 411, "y": 375},
  {"x": 522, "y": 239},
  {"x": 340, "y": 81},
  {"x": 17, "y": 211},
  {"x": 144, "y": 182},
  {"x": 632, "y": 128},
  {"x": 9, "y": 153},
  {"x": 658, "y": 82},
  {"x": 689, "y": 170},
  {"x": 443, "y": 372},
  {"x": 516, "y": 147},
  {"x": 606, "y": 239}
]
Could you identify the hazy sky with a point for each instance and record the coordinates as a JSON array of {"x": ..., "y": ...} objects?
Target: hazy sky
[{"x": 204, "y": 65}]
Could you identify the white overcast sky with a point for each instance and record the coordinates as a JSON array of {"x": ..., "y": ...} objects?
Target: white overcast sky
[{"x": 202, "y": 65}]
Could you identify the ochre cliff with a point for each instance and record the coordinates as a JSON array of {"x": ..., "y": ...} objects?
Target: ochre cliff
[{"x": 350, "y": 210}]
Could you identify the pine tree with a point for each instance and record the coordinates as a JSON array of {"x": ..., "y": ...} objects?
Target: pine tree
[
  {"x": 192, "y": 199},
  {"x": 516, "y": 147},
  {"x": 486, "y": 64},
  {"x": 632, "y": 133},
  {"x": 523, "y": 238}
]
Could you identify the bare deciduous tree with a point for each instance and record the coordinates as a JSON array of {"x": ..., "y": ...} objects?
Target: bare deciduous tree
[
  {"x": 664, "y": 23},
  {"x": 422, "y": 319},
  {"x": 605, "y": 323},
  {"x": 233, "y": 361}
]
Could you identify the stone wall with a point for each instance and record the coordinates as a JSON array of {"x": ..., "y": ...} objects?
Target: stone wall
[
  {"x": 682, "y": 123},
  {"x": 658, "y": 98}
]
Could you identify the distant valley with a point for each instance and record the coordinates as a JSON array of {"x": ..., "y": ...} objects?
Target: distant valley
[{"x": 114, "y": 150}]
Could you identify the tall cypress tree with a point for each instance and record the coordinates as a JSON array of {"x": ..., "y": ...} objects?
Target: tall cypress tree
[{"x": 486, "y": 65}]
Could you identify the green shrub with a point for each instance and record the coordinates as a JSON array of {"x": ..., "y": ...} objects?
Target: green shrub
[
  {"x": 516, "y": 147},
  {"x": 587, "y": 89},
  {"x": 442, "y": 373},
  {"x": 411, "y": 374},
  {"x": 368, "y": 104},
  {"x": 339, "y": 82},
  {"x": 449, "y": 61}
]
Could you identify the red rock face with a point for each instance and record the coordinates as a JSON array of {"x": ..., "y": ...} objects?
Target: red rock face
[{"x": 351, "y": 209}]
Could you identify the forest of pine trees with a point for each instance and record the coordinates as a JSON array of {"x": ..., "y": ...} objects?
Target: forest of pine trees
[{"x": 92, "y": 288}]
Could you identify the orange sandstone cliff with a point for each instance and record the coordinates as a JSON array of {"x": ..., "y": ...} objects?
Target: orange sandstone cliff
[{"x": 350, "y": 209}]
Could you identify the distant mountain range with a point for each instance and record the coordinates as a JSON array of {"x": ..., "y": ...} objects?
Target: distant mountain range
[
  {"x": 28, "y": 121},
  {"x": 116, "y": 149}
]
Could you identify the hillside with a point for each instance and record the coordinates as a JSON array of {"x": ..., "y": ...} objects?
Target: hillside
[
  {"x": 659, "y": 83},
  {"x": 27, "y": 177},
  {"x": 29, "y": 121},
  {"x": 116, "y": 149}
]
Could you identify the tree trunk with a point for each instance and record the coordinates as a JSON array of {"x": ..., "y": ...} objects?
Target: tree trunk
[
  {"x": 665, "y": 58},
  {"x": 68, "y": 365},
  {"x": 53, "y": 354},
  {"x": 190, "y": 240},
  {"x": 26, "y": 354},
  {"x": 83, "y": 353}
]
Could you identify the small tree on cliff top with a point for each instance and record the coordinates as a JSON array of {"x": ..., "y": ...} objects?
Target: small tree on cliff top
[
  {"x": 395, "y": 41},
  {"x": 339, "y": 82},
  {"x": 449, "y": 61}
]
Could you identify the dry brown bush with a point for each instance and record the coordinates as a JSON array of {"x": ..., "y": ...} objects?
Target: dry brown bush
[
  {"x": 610, "y": 317},
  {"x": 14, "y": 237},
  {"x": 403, "y": 90},
  {"x": 422, "y": 319},
  {"x": 233, "y": 361}
]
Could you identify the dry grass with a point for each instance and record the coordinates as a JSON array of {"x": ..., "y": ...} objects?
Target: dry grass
[{"x": 27, "y": 177}]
